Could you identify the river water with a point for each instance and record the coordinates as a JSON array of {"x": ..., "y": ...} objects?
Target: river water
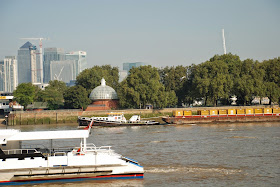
[{"x": 189, "y": 155}]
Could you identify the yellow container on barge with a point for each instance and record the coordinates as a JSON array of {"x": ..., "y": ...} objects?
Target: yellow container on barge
[
  {"x": 231, "y": 111},
  {"x": 267, "y": 110},
  {"x": 249, "y": 111},
  {"x": 203, "y": 112},
  {"x": 178, "y": 113},
  {"x": 223, "y": 112}
]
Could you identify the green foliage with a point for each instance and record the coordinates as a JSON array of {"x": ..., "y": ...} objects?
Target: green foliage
[
  {"x": 211, "y": 80},
  {"x": 141, "y": 87},
  {"x": 249, "y": 82},
  {"x": 174, "y": 78},
  {"x": 25, "y": 93},
  {"x": 272, "y": 79},
  {"x": 76, "y": 97},
  {"x": 53, "y": 94},
  {"x": 60, "y": 86},
  {"x": 91, "y": 78}
]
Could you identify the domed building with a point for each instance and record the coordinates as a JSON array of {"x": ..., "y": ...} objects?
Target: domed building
[{"x": 104, "y": 97}]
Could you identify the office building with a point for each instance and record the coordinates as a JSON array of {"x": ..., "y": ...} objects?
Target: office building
[
  {"x": 1, "y": 76},
  {"x": 63, "y": 70},
  {"x": 127, "y": 66},
  {"x": 80, "y": 60},
  {"x": 27, "y": 63},
  {"x": 9, "y": 74},
  {"x": 51, "y": 54}
]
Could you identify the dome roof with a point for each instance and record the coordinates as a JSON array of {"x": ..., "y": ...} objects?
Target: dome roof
[{"x": 103, "y": 92}]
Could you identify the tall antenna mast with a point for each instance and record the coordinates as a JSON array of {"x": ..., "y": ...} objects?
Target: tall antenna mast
[{"x": 224, "y": 41}]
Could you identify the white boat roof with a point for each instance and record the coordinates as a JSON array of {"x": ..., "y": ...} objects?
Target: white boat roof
[{"x": 16, "y": 135}]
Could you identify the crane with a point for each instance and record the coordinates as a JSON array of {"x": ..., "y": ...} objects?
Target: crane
[{"x": 41, "y": 54}]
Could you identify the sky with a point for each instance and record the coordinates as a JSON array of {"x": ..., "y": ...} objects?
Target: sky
[{"x": 157, "y": 32}]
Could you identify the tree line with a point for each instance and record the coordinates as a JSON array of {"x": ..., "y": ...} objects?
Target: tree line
[{"x": 217, "y": 79}]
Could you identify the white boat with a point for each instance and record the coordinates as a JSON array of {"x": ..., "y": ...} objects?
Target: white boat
[
  {"x": 115, "y": 119},
  {"x": 84, "y": 162}
]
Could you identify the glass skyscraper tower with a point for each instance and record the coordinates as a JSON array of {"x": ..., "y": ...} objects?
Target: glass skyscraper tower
[
  {"x": 51, "y": 54},
  {"x": 27, "y": 70},
  {"x": 80, "y": 60}
]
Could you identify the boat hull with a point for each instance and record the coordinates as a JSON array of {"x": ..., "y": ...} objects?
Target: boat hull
[
  {"x": 200, "y": 119},
  {"x": 65, "y": 174},
  {"x": 84, "y": 122},
  {"x": 113, "y": 124},
  {"x": 62, "y": 178}
]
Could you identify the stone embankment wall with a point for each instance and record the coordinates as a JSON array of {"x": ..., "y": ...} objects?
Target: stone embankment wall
[{"x": 70, "y": 116}]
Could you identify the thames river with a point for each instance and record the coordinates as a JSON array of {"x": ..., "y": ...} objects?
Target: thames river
[{"x": 189, "y": 155}]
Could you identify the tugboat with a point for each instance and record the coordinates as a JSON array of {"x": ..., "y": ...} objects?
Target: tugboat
[
  {"x": 40, "y": 165},
  {"x": 115, "y": 119}
]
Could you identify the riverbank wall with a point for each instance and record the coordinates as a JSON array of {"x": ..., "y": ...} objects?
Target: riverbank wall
[{"x": 71, "y": 116}]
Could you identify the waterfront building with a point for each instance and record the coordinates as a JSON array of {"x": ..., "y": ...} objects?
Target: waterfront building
[
  {"x": 51, "y": 54},
  {"x": 80, "y": 60},
  {"x": 27, "y": 64},
  {"x": 63, "y": 70},
  {"x": 8, "y": 74},
  {"x": 128, "y": 65},
  {"x": 103, "y": 98}
]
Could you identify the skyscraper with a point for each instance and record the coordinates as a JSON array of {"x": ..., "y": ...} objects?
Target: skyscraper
[
  {"x": 2, "y": 76},
  {"x": 127, "y": 66},
  {"x": 63, "y": 70},
  {"x": 9, "y": 73},
  {"x": 27, "y": 70},
  {"x": 51, "y": 54},
  {"x": 80, "y": 60}
]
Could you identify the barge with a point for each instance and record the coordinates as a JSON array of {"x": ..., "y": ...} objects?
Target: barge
[{"x": 224, "y": 116}]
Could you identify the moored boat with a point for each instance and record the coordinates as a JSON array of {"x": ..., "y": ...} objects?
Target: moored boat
[
  {"x": 39, "y": 165},
  {"x": 115, "y": 119},
  {"x": 224, "y": 116}
]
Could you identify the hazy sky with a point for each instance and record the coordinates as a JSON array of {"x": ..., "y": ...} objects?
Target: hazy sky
[{"x": 157, "y": 32}]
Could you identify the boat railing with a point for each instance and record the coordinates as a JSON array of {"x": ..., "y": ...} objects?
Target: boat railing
[
  {"x": 20, "y": 151},
  {"x": 92, "y": 148},
  {"x": 43, "y": 149}
]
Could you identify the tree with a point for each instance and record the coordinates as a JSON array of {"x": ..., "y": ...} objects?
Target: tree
[
  {"x": 272, "y": 79},
  {"x": 60, "y": 86},
  {"x": 25, "y": 93},
  {"x": 173, "y": 78},
  {"x": 76, "y": 97},
  {"x": 90, "y": 78},
  {"x": 54, "y": 99},
  {"x": 272, "y": 91},
  {"x": 141, "y": 87},
  {"x": 249, "y": 82},
  {"x": 53, "y": 94},
  {"x": 211, "y": 80}
]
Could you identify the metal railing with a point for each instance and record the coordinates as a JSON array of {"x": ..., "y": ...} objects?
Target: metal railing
[{"x": 20, "y": 151}]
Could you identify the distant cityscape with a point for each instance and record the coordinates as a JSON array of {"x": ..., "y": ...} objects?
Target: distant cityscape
[{"x": 56, "y": 65}]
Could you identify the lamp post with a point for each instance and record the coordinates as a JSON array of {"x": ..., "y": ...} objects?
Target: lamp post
[{"x": 6, "y": 119}]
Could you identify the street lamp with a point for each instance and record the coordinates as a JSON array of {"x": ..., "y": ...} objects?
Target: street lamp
[{"x": 6, "y": 119}]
